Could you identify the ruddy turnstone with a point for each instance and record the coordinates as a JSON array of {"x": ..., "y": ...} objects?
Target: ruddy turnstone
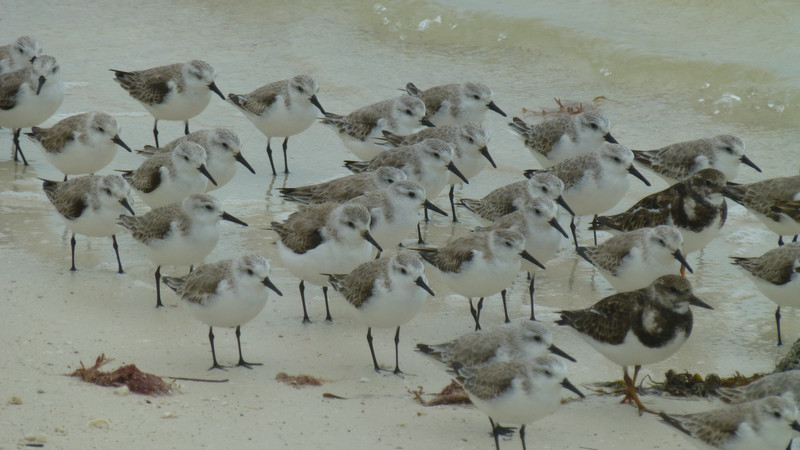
[{"x": 639, "y": 327}]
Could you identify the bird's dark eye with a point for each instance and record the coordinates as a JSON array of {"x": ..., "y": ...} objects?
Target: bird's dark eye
[
  {"x": 548, "y": 373},
  {"x": 300, "y": 89},
  {"x": 544, "y": 189},
  {"x": 616, "y": 159},
  {"x": 471, "y": 141},
  {"x": 198, "y": 76},
  {"x": 408, "y": 111},
  {"x": 351, "y": 224},
  {"x": 412, "y": 194},
  {"x": 404, "y": 271},
  {"x": 250, "y": 271},
  {"x": 729, "y": 150},
  {"x": 707, "y": 182},
  {"x": 508, "y": 243},
  {"x": 436, "y": 155},
  {"x": 225, "y": 145},
  {"x": 55, "y": 69},
  {"x": 538, "y": 339},
  {"x": 777, "y": 415},
  {"x": 537, "y": 211},
  {"x": 21, "y": 51},
  {"x": 390, "y": 180},
  {"x": 673, "y": 290},
  {"x": 661, "y": 242},
  {"x": 107, "y": 191},
  {"x": 476, "y": 97},
  {"x": 101, "y": 129},
  {"x": 186, "y": 158},
  {"x": 593, "y": 125},
  {"x": 209, "y": 207}
]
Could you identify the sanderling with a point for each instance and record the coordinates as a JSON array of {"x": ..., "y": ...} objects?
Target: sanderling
[
  {"x": 344, "y": 188},
  {"x": 469, "y": 142},
  {"x": 456, "y": 104},
  {"x": 564, "y": 135},
  {"x": 91, "y": 205},
  {"x": 766, "y": 424},
  {"x": 776, "y": 274},
  {"x": 776, "y": 383},
  {"x": 775, "y": 202},
  {"x": 695, "y": 206},
  {"x": 426, "y": 163},
  {"x": 519, "y": 339},
  {"x": 19, "y": 54},
  {"x": 170, "y": 177},
  {"x": 519, "y": 391},
  {"x": 634, "y": 259},
  {"x": 509, "y": 198},
  {"x": 480, "y": 264},
  {"x": 29, "y": 96},
  {"x": 281, "y": 109},
  {"x": 639, "y": 327},
  {"x": 324, "y": 238},
  {"x": 679, "y": 161},
  {"x": 537, "y": 221},
  {"x": 172, "y": 92},
  {"x": 386, "y": 293},
  {"x": 226, "y": 294},
  {"x": 358, "y": 130},
  {"x": 223, "y": 150},
  {"x": 394, "y": 211},
  {"x": 80, "y": 144},
  {"x": 179, "y": 234},
  {"x": 595, "y": 182}
]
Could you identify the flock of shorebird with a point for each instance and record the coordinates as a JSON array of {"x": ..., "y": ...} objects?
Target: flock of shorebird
[{"x": 334, "y": 237}]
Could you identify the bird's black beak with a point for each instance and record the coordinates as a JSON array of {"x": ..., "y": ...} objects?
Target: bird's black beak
[
  {"x": 243, "y": 162},
  {"x": 215, "y": 89},
  {"x": 116, "y": 139},
  {"x": 204, "y": 171},
  {"x": 266, "y": 282},
  {"x": 496, "y": 109},
  {"x": 315, "y": 102},
  {"x": 230, "y": 218},
  {"x": 421, "y": 283},
  {"x": 485, "y": 152}
]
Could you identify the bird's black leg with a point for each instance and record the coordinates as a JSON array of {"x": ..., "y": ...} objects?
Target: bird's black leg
[{"x": 242, "y": 362}]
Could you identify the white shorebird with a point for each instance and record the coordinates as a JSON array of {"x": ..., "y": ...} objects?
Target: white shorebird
[
  {"x": 172, "y": 92},
  {"x": 227, "y": 294},
  {"x": 80, "y": 144},
  {"x": 29, "y": 96},
  {"x": 179, "y": 234},
  {"x": 386, "y": 293},
  {"x": 456, "y": 104},
  {"x": 281, "y": 109},
  {"x": 90, "y": 205},
  {"x": 324, "y": 238}
]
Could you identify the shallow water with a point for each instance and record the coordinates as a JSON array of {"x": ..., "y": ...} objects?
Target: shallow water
[{"x": 668, "y": 70}]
